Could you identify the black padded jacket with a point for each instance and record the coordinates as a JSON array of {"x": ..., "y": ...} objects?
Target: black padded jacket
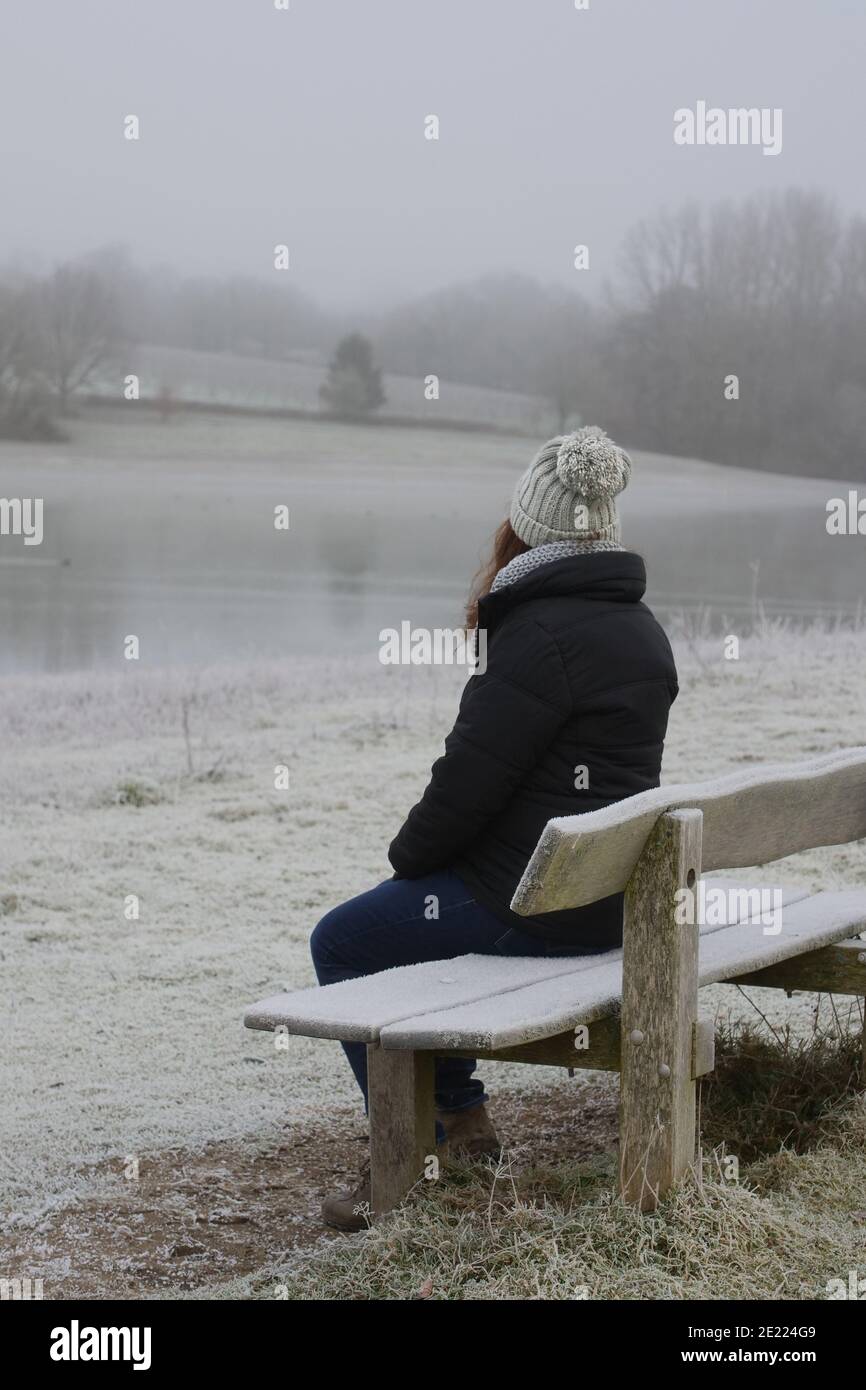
[{"x": 579, "y": 675}]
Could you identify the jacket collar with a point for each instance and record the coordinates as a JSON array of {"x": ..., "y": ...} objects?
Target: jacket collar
[{"x": 614, "y": 577}]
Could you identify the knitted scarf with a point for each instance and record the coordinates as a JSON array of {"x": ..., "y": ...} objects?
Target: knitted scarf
[{"x": 544, "y": 555}]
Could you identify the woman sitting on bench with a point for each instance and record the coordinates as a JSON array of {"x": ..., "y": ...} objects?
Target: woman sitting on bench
[{"x": 569, "y": 715}]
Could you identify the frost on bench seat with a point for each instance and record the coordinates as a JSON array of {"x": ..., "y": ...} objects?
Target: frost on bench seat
[
  {"x": 357, "y": 1010},
  {"x": 549, "y": 1007}
]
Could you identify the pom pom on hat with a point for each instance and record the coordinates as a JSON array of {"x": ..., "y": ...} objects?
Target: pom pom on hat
[{"x": 591, "y": 464}]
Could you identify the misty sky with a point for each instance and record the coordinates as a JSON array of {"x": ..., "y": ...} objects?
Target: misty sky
[{"x": 307, "y": 127}]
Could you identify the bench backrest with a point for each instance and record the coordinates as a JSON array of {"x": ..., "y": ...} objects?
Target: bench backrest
[{"x": 750, "y": 817}]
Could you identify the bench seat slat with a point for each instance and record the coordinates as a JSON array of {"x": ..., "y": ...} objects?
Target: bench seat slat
[
  {"x": 545, "y": 1009},
  {"x": 357, "y": 1010}
]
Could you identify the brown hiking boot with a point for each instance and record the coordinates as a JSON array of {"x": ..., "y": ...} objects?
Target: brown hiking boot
[
  {"x": 350, "y": 1210},
  {"x": 468, "y": 1133}
]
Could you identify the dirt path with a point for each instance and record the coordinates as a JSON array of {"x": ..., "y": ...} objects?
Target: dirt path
[{"x": 192, "y": 1220}]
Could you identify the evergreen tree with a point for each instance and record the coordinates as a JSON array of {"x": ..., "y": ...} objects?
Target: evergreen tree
[{"x": 354, "y": 382}]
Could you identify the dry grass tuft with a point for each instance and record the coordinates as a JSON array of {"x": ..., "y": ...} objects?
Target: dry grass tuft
[
  {"x": 773, "y": 1091},
  {"x": 790, "y": 1221}
]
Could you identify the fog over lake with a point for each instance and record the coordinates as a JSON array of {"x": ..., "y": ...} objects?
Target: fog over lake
[{"x": 387, "y": 525}]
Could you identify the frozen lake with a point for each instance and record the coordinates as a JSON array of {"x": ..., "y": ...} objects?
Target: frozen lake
[{"x": 166, "y": 531}]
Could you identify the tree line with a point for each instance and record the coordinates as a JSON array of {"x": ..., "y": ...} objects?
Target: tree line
[
  {"x": 735, "y": 332},
  {"x": 769, "y": 291}
]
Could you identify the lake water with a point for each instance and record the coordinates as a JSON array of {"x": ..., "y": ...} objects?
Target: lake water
[{"x": 168, "y": 534}]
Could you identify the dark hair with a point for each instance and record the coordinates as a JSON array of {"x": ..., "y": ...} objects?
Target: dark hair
[{"x": 506, "y": 545}]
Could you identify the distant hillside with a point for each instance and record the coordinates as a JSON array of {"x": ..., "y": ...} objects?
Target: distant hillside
[{"x": 256, "y": 383}]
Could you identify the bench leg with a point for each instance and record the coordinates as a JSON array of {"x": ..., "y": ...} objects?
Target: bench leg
[
  {"x": 659, "y": 1014},
  {"x": 402, "y": 1122}
]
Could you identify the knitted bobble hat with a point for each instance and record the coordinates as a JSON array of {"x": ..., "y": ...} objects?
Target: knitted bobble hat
[{"x": 567, "y": 493}]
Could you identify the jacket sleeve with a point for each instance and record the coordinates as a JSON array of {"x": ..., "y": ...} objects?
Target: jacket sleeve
[{"x": 508, "y": 715}]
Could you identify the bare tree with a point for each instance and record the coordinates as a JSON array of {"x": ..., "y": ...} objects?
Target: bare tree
[
  {"x": 79, "y": 328},
  {"x": 25, "y": 409},
  {"x": 751, "y": 290}
]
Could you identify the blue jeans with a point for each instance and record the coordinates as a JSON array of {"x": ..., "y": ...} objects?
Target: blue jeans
[{"x": 388, "y": 926}]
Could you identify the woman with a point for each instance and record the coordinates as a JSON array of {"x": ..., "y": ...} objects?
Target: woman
[{"x": 569, "y": 715}]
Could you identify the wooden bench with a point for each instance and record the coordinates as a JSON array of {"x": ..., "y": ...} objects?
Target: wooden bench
[{"x": 633, "y": 1010}]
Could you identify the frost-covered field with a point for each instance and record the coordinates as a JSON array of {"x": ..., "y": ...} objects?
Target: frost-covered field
[{"x": 123, "y": 1037}]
